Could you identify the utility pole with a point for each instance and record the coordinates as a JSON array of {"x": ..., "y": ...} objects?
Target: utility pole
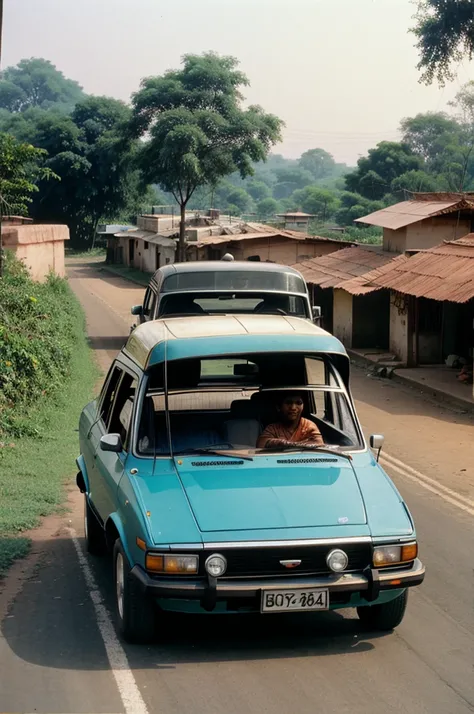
[{"x": 1, "y": 199}]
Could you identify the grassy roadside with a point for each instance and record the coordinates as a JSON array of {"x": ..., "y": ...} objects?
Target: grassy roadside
[
  {"x": 135, "y": 276},
  {"x": 34, "y": 468}
]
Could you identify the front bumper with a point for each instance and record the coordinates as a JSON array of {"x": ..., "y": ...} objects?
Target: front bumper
[{"x": 369, "y": 583}]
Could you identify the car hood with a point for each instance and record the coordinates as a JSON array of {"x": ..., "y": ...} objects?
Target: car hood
[{"x": 271, "y": 493}]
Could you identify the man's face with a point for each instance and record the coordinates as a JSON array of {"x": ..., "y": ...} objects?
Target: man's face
[{"x": 291, "y": 409}]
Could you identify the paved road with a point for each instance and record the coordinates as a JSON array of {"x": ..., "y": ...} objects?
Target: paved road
[{"x": 55, "y": 622}]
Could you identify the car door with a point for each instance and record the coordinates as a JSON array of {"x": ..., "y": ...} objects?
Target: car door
[
  {"x": 110, "y": 465},
  {"x": 98, "y": 429}
]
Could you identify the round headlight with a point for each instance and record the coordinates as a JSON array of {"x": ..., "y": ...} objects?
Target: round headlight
[
  {"x": 216, "y": 565},
  {"x": 337, "y": 560}
]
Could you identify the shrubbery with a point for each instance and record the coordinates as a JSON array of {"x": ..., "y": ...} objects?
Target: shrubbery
[{"x": 38, "y": 331}]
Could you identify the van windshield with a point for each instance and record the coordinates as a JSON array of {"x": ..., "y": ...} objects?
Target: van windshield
[
  {"x": 226, "y": 403},
  {"x": 235, "y": 280}
]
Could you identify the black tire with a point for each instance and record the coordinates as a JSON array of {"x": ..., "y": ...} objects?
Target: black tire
[
  {"x": 93, "y": 532},
  {"x": 136, "y": 613},
  {"x": 386, "y": 616}
]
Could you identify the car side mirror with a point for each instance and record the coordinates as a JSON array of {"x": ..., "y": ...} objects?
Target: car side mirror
[
  {"x": 376, "y": 443},
  {"x": 111, "y": 442},
  {"x": 316, "y": 314},
  {"x": 137, "y": 310}
]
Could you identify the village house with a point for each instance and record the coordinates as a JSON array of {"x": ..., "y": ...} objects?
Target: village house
[
  {"x": 296, "y": 220},
  {"x": 153, "y": 243},
  {"x": 433, "y": 290},
  {"x": 148, "y": 246},
  {"x": 255, "y": 241},
  {"x": 381, "y": 317},
  {"x": 39, "y": 246}
]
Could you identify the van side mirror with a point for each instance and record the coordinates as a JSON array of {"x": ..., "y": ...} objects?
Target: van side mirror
[
  {"x": 316, "y": 314},
  {"x": 376, "y": 443},
  {"x": 111, "y": 442},
  {"x": 137, "y": 310}
]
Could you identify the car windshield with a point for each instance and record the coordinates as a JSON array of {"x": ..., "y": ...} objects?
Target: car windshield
[
  {"x": 224, "y": 404},
  {"x": 225, "y": 302},
  {"x": 284, "y": 282}
]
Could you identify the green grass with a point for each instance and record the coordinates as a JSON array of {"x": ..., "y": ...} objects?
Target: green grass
[
  {"x": 35, "y": 469},
  {"x": 91, "y": 253},
  {"x": 136, "y": 276}
]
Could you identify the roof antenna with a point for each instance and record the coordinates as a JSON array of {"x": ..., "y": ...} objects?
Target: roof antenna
[{"x": 228, "y": 257}]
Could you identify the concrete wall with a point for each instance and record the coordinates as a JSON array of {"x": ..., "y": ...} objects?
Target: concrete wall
[
  {"x": 342, "y": 317},
  {"x": 399, "y": 327},
  {"x": 40, "y": 247}
]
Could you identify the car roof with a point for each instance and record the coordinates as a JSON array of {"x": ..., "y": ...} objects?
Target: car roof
[
  {"x": 186, "y": 337},
  {"x": 208, "y": 266}
]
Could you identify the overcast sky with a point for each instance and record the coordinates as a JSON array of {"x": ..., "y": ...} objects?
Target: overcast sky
[{"x": 340, "y": 73}]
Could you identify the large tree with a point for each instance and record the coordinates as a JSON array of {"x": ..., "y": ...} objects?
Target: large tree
[
  {"x": 20, "y": 168},
  {"x": 197, "y": 129},
  {"x": 375, "y": 172},
  {"x": 445, "y": 32},
  {"x": 36, "y": 82},
  {"x": 318, "y": 162},
  {"x": 95, "y": 163}
]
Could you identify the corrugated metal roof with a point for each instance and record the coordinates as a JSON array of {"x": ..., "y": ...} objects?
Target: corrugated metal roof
[
  {"x": 442, "y": 273},
  {"x": 408, "y": 212},
  {"x": 333, "y": 270},
  {"x": 292, "y": 235}
]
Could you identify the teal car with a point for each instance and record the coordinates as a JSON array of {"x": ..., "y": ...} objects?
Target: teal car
[{"x": 201, "y": 520}]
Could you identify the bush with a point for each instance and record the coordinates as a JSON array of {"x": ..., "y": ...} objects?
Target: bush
[{"x": 37, "y": 336}]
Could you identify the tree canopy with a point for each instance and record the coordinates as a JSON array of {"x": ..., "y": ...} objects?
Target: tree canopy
[
  {"x": 20, "y": 167},
  {"x": 36, "y": 82},
  {"x": 375, "y": 172},
  {"x": 445, "y": 32},
  {"x": 198, "y": 130}
]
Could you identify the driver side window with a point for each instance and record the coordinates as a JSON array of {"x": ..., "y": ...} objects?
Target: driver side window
[
  {"x": 149, "y": 304},
  {"x": 121, "y": 416},
  {"x": 109, "y": 394}
]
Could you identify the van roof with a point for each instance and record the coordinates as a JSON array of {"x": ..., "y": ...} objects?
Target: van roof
[{"x": 185, "y": 337}]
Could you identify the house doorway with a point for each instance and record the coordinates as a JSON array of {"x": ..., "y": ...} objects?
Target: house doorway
[
  {"x": 371, "y": 320},
  {"x": 131, "y": 251},
  {"x": 157, "y": 258}
]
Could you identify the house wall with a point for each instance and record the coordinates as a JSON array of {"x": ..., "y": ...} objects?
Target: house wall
[
  {"x": 399, "y": 327},
  {"x": 40, "y": 247},
  {"x": 394, "y": 241},
  {"x": 342, "y": 317},
  {"x": 434, "y": 231},
  {"x": 426, "y": 234},
  {"x": 279, "y": 250}
]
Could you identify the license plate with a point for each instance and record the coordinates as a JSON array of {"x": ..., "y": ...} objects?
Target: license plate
[{"x": 290, "y": 600}]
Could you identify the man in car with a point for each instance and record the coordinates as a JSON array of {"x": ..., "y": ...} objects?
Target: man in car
[{"x": 292, "y": 428}]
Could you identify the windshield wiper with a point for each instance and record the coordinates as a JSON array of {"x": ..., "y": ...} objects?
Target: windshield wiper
[{"x": 214, "y": 452}]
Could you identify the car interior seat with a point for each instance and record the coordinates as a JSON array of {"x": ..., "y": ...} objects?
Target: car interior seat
[{"x": 242, "y": 428}]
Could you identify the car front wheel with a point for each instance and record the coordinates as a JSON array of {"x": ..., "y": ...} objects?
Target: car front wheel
[
  {"x": 386, "y": 616},
  {"x": 93, "y": 532},
  {"x": 136, "y": 614}
]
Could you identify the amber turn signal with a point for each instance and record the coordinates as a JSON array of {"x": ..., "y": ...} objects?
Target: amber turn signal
[
  {"x": 409, "y": 552},
  {"x": 172, "y": 564}
]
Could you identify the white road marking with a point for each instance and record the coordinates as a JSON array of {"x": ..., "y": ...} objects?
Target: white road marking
[
  {"x": 447, "y": 494},
  {"x": 130, "y": 694}
]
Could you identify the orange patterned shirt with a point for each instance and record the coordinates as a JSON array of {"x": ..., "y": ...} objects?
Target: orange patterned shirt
[{"x": 306, "y": 432}]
